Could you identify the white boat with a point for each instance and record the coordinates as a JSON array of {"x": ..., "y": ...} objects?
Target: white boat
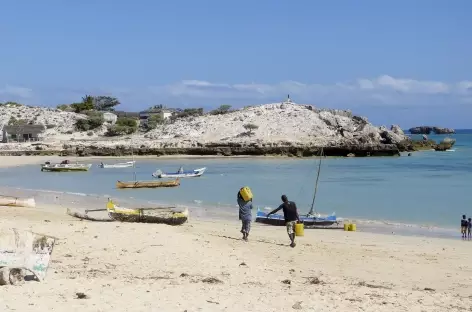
[
  {"x": 179, "y": 174},
  {"x": 118, "y": 165}
]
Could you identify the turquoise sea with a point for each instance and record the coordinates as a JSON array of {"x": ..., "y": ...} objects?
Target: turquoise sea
[{"x": 428, "y": 188}]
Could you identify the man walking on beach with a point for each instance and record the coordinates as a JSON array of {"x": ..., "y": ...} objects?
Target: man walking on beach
[
  {"x": 245, "y": 215},
  {"x": 464, "y": 225},
  {"x": 291, "y": 217}
]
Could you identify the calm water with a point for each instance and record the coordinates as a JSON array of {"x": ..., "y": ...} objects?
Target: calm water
[{"x": 429, "y": 188}]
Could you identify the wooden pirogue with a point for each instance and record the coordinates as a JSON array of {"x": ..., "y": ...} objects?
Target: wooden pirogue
[
  {"x": 147, "y": 184},
  {"x": 147, "y": 215}
]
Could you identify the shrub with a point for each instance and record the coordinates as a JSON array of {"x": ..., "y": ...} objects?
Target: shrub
[
  {"x": 223, "y": 109},
  {"x": 127, "y": 122},
  {"x": 16, "y": 122},
  {"x": 94, "y": 121},
  {"x": 64, "y": 108},
  {"x": 117, "y": 130},
  {"x": 188, "y": 112},
  {"x": 123, "y": 126},
  {"x": 152, "y": 122},
  {"x": 90, "y": 133},
  {"x": 250, "y": 127},
  {"x": 82, "y": 107}
]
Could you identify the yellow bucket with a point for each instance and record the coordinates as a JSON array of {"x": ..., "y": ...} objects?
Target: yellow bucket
[
  {"x": 299, "y": 229},
  {"x": 346, "y": 226},
  {"x": 352, "y": 227},
  {"x": 246, "y": 193}
]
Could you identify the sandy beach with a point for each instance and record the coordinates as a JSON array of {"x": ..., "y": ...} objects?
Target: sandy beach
[{"x": 203, "y": 265}]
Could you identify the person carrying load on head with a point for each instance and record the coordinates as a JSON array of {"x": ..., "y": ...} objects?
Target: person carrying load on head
[{"x": 245, "y": 210}]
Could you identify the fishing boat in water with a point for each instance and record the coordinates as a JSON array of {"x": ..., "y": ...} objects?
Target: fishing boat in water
[
  {"x": 147, "y": 184},
  {"x": 311, "y": 219},
  {"x": 117, "y": 165},
  {"x": 65, "y": 166},
  {"x": 12, "y": 201},
  {"x": 180, "y": 173}
]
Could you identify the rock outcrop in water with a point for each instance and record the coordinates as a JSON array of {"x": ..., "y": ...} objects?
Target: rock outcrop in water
[
  {"x": 275, "y": 129},
  {"x": 428, "y": 130}
]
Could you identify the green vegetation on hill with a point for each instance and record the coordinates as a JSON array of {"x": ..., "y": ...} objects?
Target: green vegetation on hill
[{"x": 123, "y": 126}]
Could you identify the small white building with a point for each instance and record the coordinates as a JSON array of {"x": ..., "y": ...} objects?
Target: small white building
[{"x": 110, "y": 117}]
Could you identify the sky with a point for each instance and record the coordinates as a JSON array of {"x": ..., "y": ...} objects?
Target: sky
[{"x": 396, "y": 62}]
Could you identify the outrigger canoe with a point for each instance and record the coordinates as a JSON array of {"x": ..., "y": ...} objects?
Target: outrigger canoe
[
  {"x": 162, "y": 215},
  {"x": 308, "y": 220},
  {"x": 17, "y": 201},
  {"x": 147, "y": 184},
  {"x": 147, "y": 215}
]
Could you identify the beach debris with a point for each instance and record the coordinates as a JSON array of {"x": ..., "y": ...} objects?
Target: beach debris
[
  {"x": 212, "y": 280},
  {"x": 184, "y": 275},
  {"x": 297, "y": 305},
  {"x": 209, "y": 301},
  {"x": 315, "y": 281},
  {"x": 21, "y": 252},
  {"x": 287, "y": 281},
  {"x": 243, "y": 264},
  {"x": 47, "y": 220},
  {"x": 364, "y": 284},
  {"x": 81, "y": 295},
  {"x": 429, "y": 289}
]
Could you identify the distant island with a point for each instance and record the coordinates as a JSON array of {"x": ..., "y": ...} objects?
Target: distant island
[
  {"x": 428, "y": 130},
  {"x": 93, "y": 127}
]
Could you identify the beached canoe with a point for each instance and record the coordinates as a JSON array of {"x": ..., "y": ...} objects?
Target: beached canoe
[
  {"x": 161, "y": 215},
  {"x": 117, "y": 165},
  {"x": 65, "y": 167},
  {"x": 17, "y": 201},
  {"x": 147, "y": 184},
  {"x": 277, "y": 219},
  {"x": 182, "y": 174},
  {"x": 85, "y": 216}
]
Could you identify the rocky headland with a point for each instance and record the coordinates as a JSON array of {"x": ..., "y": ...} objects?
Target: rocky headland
[
  {"x": 429, "y": 130},
  {"x": 271, "y": 129}
]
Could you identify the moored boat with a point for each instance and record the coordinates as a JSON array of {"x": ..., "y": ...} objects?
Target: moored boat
[
  {"x": 180, "y": 173},
  {"x": 147, "y": 184},
  {"x": 118, "y": 165},
  {"x": 17, "y": 201},
  {"x": 162, "y": 215},
  {"x": 65, "y": 166}
]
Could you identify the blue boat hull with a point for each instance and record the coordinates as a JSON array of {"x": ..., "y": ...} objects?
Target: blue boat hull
[{"x": 279, "y": 220}]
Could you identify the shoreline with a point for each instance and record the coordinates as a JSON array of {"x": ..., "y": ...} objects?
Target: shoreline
[{"x": 209, "y": 213}]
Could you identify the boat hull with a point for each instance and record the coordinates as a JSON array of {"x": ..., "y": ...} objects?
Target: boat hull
[
  {"x": 188, "y": 174},
  {"x": 66, "y": 168},
  {"x": 84, "y": 216},
  {"x": 119, "y": 165},
  {"x": 147, "y": 215},
  {"x": 17, "y": 201},
  {"x": 147, "y": 184},
  {"x": 278, "y": 220}
]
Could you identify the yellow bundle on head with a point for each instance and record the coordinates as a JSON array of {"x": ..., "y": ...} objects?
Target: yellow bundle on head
[{"x": 246, "y": 193}]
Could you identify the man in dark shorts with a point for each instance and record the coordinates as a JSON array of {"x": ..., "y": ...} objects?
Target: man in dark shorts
[
  {"x": 464, "y": 225},
  {"x": 291, "y": 217}
]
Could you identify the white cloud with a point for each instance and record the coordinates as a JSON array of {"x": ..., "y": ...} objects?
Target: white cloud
[{"x": 380, "y": 91}]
